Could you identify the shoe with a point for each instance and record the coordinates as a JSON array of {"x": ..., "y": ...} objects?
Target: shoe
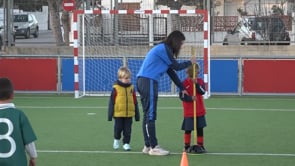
[
  {"x": 187, "y": 148},
  {"x": 198, "y": 149},
  {"x": 116, "y": 144},
  {"x": 126, "y": 147},
  {"x": 146, "y": 150},
  {"x": 203, "y": 149},
  {"x": 158, "y": 151}
]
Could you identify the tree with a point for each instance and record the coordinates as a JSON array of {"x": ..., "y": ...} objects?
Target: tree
[
  {"x": 60, "y": 19},
  {"x": 54, "y": 10}
]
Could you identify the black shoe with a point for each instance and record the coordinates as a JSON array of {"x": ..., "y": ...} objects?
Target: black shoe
[
  {"x": 197, "y": 149},
  {"x": 204, "y": 150},
  {"x": 187, "y": 148}
]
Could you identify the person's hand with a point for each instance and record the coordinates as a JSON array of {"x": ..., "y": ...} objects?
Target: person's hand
[
  {"x": 193, "y": 60},
  {"x": 193, "y": 98},
  {"x": 183, "y": 93},
  {"x": 32, "y": 162},
  {"x": 194, "y": 80}
]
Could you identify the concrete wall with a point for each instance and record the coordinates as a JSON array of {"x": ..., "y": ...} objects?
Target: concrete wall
[{"x": 215, "y": 50}]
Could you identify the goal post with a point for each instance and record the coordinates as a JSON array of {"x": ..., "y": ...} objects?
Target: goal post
[{"x": 104, "y": 40}]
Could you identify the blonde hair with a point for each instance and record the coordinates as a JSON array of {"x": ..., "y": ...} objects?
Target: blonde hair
[
  {"x": 124, "y": 72},
  {"x": 190, "y": 70}
]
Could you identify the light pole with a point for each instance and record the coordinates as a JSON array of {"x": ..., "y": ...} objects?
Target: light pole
[
  {"x": 259, "y": 7},
  {"x": 8, "y": 39}
]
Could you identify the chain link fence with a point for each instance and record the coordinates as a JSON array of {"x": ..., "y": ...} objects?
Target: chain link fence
[{"x": 227, "y": 14}]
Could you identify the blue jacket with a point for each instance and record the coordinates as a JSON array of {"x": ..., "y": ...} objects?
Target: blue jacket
[{"x": 160, "y": 60}]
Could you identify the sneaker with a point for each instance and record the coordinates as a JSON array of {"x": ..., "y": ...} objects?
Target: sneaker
[
  {"x": 116, "y": 144},
  {"x": 198, "y": 149},
  {"x": 203, "y": 149},
  {"x": 126, "y": 147},
  {"x": 146, "y": 150},
  {"x": 187, "y": 148},
  {"x": 158, "y": 151}
]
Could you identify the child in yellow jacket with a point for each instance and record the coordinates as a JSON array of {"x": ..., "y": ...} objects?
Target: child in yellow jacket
[{"x": 122, "y": 108}]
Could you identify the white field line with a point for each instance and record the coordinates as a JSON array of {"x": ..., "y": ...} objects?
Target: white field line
[
  {"x": 132, "y": 152},
  {"x": 276, "y": 98},
  {"x": 161, "y": 108}
]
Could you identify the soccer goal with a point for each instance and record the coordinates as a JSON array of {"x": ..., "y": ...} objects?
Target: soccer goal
[{"x": 104, "y": 40}]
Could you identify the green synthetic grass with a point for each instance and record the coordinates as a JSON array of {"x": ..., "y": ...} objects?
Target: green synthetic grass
[{"x": 241, "y": 131}]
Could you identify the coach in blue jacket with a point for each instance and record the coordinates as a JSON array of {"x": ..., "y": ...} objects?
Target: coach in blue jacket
[{"x": 159, "y": 60}]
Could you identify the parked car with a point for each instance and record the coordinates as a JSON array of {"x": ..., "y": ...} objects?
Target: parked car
[
  {"x": 2, "y": 37},
  {"x": 259, "y": 30},
  {"x": 26, "y": 25}
]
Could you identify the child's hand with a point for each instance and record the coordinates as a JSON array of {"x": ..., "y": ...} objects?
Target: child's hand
[
  {"x": 32, "y": 162},
  {"x": 195, "y": 80},
  {"x": 193, "y": 98},
  {"x": 193, "y": 60}
]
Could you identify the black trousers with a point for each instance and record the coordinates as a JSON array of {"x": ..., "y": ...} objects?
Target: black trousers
[
  {"x": 148, "y": 90},
  {"x": 123, "y": 125}
]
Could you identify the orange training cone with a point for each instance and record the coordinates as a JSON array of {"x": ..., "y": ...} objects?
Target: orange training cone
[{"x": 184, "y": 160}]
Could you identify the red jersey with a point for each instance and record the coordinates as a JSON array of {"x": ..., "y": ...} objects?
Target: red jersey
[{"x": 188, "y": 103}]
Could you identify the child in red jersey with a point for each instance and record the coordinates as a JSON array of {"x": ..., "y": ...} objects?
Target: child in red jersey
[{"x": 188, "y": 110}]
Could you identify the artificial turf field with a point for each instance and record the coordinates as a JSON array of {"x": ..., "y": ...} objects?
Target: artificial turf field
[{"x": 241, "y": 131}]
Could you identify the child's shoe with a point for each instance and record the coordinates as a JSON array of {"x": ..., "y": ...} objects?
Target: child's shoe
[
  {"x": 126, "y": 147},
  {"x": 197, "y": 149},
  {"x": 203, "y": 149},
  {"x": 116, "y": 144},
  {"x": 187, "y": 148}
]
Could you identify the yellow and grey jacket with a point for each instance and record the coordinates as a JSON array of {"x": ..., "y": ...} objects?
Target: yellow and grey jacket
[{"x": 123, "y": 102}]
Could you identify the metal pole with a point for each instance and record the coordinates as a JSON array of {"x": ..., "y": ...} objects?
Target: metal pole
[
  {"x": 10, "y": 23},
  {"x": 8, "y": 39},
  {"x": 259, "y": 7},
  {"x": 116, "y": 24},
  {"x": 210, "y": 8},
  {"x": 87, "y": 5},
  {"x": 151, "y": 29},
  {"x": 93, "y": 4},
  {"x": 5, "y": 23}
]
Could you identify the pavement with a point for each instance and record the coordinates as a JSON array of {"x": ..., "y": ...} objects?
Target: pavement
[{"x": 45, "y": 38}]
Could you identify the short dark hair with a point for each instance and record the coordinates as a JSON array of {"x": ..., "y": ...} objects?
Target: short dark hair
[
  {"x": 6, "y": 88},
  {"x": 175, "y": 40}
]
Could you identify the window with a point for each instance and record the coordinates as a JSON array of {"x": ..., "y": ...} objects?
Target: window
[{"x": 20, "y": 18}]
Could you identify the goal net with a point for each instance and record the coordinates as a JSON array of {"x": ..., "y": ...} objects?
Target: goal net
[{"x": 104, "y": 40}]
